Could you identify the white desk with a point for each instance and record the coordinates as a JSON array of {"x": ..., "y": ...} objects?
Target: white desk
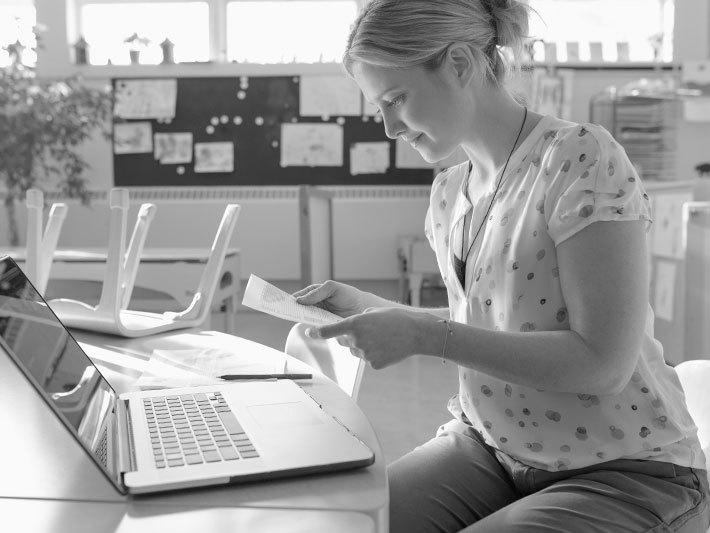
[
  {"x": 173, "y": 271},
  {"x": 64, "y": 486}
]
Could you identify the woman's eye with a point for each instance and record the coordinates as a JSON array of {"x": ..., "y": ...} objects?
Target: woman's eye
[{"x": 397, "y": 101}]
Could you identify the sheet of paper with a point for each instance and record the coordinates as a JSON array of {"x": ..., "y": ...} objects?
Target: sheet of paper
[
  {"x": 572, "y": 51},
  {"x": 664, "y": 290},
  {"x": 369, "y": 158},
  {"x": 173, "y": 148},
  {"x": 697, "y": 109},
  {"x": 214, "y": 157},
  {"x": 329, "y": 96},
  {"x": 211, "y": 362},
  {"x": 132, "y": 138},
  {"x": 145, "y": 98},
  {"x": 667, "y": 227},
  {"x": 262, "y": 296},
  {"x": 311, "y": 145}
]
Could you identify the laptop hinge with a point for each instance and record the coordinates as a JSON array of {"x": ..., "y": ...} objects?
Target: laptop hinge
[{"x": 127, "y": 455}]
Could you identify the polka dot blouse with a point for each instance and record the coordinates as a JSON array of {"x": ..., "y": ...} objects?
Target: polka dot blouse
[{"x": 561, "y": 178}]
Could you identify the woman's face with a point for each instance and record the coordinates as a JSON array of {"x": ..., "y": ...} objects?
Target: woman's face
[{"x": 425, "y": 108}]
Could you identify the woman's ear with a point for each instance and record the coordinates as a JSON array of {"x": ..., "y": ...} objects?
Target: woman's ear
[{"x": 461, "y": 63}]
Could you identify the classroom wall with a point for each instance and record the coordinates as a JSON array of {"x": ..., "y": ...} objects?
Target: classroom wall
[{"x": 366, "y": 228}]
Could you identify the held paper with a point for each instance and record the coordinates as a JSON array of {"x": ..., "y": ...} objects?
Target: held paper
[{"x": 263, "y": 296}]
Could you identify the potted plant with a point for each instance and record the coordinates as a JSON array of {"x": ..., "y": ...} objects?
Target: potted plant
[
  {"x": 136, "y": 44},
  {"x": 42, "y": 123}
]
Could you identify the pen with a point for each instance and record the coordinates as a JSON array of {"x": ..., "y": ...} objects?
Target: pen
[{"x": 265, "y": 376}]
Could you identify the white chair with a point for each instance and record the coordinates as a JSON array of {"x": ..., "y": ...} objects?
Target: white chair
[
  {"x": 328, "y": 357},
  {"x": 694, "y": 377},
  {"x": 41, "y": 244},
  {"x": 111, "y": 314}
]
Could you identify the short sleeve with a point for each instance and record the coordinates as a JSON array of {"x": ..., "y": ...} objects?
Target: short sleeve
[
  {"x": 590, "y": 179},
  {"x": 437, "y": 190}
]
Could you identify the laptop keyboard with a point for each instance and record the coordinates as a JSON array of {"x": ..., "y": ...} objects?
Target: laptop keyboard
[{"x": 193, "y": 429}]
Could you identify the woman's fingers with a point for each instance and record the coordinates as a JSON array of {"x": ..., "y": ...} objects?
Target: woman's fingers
[
  {"x": 314, "y": 294},
  {"x": 305, "y": 290}
]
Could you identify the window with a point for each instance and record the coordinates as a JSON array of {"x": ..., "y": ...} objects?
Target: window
[
  {"x": 635, "y": 22},
  {"x": 282, "y": 31},
  {"x": 105, "y": 26},
  {"x": 17, "y": 19}
]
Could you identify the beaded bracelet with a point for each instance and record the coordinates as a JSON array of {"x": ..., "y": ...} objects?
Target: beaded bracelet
[{"x": 449, "y": 331}]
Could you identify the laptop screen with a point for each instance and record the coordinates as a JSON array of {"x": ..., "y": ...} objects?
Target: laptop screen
[{"x": 55, "y": 364}]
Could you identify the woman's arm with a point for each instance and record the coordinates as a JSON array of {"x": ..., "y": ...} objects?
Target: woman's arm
[{"x": 604, "y": 278}]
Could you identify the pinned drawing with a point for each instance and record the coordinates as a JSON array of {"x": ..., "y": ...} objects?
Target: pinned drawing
[
  {"x": 329, "y": 96},
  {"x": 369, "y": 158},
  {"x": 214, "y": 157},
  {"x": 144, "y": 99},
  {"x": 132, "y": 138},
  {"x": 172, "y": 148},
  {"x": 311, "y": 145}
]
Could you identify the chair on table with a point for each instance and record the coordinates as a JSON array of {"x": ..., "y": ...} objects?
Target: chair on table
[
  {"x": 328, "y": 357},
  {"x": 41, "y": 244},
  {"x": 694, "y": 377},
  {"x": 112, "y": 315}
]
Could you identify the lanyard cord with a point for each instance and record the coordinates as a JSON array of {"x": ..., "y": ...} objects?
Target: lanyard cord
[{"x": 500, "y": 181}]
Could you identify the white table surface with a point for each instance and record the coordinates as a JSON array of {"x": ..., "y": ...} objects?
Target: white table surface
[{"x": 31, "y": 470}]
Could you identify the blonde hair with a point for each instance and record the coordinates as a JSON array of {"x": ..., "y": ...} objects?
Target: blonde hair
[{"x": 418, "y": 33}]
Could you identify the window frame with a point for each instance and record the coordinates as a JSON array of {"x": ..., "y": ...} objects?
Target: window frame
[{"x": 217, "y": 20}]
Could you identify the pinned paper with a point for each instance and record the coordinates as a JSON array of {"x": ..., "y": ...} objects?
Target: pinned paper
[
  {"x": 622, "y": 51},
  {"x": 664, "y": 290},
  {"x": 596, "y": 53},
  {"x": 697, "y": 109},
  {"x": 573, "y": 51},
  {"x": 667, "y": 228},
  {"x": 311, "y": 145},
  {"x": 328, "y": 96},
  {"x": 145, "y": 98},
  {"x": 132, "y": 138},
  {"x": 214, "y": 157},
  {"x": 173, "y": 147},
  {"x": 369, "y": 158}
]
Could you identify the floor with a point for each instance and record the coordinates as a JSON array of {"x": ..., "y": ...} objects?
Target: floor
[{"x": 405, "y": 403}]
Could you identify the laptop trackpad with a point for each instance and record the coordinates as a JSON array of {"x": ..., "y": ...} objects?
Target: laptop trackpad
[{"x": 283, "y": 415}]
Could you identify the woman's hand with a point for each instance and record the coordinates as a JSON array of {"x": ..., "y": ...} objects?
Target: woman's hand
[
  {"x": 338, "y": 298},
  {"x": 382, "y": 336}
]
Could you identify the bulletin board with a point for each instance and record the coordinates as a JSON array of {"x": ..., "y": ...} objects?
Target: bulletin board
[{"x": 250, "y": 131}]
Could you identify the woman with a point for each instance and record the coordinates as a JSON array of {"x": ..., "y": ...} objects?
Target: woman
[{"x": 567, "y": 418}]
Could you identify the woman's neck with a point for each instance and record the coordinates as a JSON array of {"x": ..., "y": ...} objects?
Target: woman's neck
[{"x": 495, "y": 122}]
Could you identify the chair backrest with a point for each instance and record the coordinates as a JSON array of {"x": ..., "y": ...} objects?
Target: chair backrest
[
  {"x": 327, "y": 356},
  {"x": 694, "y": 377}
]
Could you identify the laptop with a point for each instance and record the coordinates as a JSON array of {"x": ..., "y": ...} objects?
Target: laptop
[{"x": 170, "y": 439}]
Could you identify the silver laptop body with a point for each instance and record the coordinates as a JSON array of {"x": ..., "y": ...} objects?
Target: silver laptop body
[{"x": 153, "y": 441}]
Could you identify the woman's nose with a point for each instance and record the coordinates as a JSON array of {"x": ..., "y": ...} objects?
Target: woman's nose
[{"x": 393, "y": 126}]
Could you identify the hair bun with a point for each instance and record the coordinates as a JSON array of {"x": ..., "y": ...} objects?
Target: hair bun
[{"x": 510, "y": 18}]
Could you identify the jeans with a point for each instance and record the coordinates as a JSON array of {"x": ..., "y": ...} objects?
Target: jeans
[{"x": 456, "y": 482}]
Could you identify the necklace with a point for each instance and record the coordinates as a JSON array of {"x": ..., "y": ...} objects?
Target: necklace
[{"x": 460, "y": 264}]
